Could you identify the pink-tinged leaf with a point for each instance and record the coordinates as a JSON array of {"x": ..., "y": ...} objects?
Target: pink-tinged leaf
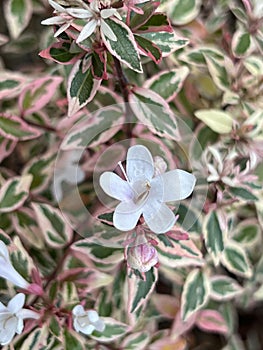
[
  {"x": 99, "y": 65},
  {"x": 60, "y": 52},
  {"x": 38, "y": 93},
  {"x": 14, "y": 192},
  {"x": 14, "y": 128},
  {"x": 212, "y": 321},
  {"x": 169, "y": 343},
  {"x": 180, "y": 327},
  {"x": 18, "y": 15},
  {"x": 159, "y": 22},
  {"x": 6, "y": 147},
  {"x": 96, "y": 130},
  {"x": 11, "y": 84},
  {"x": 154, "y": 112},
  {"x": 138, "y": 341},
  {"x": 124, "y": 49},
  {"x": 82, "y": 87},
  {"x": 54, "y": 226},
  {"x": 139, "y": 19}
]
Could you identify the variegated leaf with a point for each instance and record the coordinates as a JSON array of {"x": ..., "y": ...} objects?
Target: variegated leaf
[
  {"x": 183, "y": 11},
  {"x": 224, "y": 288},
  {"x": 14, "y": 192},
  {"x": 72, "y": 340},
  {"x": 14, "y": 128},
  {"x": 124, "y": 48},
  {"x": 148, "y": 48},
  {"x": 82, "y": 87},
  {"x": 140, "y": 290},
  {"x": 113, "y": 330},
  {"x": 235, "y": 259},
  {"x": 95, "y": 130},
  {"x": 254, "y": 64},
  {"x": 242, "y": 43},
  {"x": 18, "y": 14},
  {"x": 11, "y": 84},
  {"x": 35, "y": 339},
  {"x": 214, "y": 236},
  {"x": 212, "y": 321},
  {"x": 195, "y": 293},
  {"x": 37, "y": 94},
  {"x": 60, "y": 53},
  {"x": 154, "y": 112},
  {"x": 247, "y": 233},
  {"x": 56, "y": 230},
  {"x": 136, "y": 341},
  {"x": 168, "y": 83},
  {"x": 167, "y": 42}
]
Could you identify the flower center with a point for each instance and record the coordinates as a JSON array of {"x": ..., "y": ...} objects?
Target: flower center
[{"x": 142, "y": 190}]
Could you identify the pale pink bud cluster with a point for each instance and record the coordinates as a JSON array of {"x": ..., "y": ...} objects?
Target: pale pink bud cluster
[{"x": 142, "y": 257}]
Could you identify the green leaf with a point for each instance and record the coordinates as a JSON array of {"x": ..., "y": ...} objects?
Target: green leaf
[
  {"x": 183, "y": 11},
  {"x": 195, "y": 293},
  {"x": 241, "y": 43},
  {"x": 149, "y": 48},
  {"x": 247, "y": 233},
  {"x": 138, "y": 20},
  {"x": 219, "y": 121},
  {"x": 218, "y": 72},
  {"x": 14, "y": 128},
  {"x": 124, "y": 48},
  {"x": 214, "y": 237},
  {"x": 168, "y": 83},
  {"x": 242, "y": 193},
  {"x": 18, "y": 14},
  {"x": 55, "y": 228},
  {"x": 157, "y": 21},
  {"x": 140, "y": 290},
  {"x": 167, "y": 42},
  {"x": 113, "y": 330},
  {"x": 82, "y": 87},
  {"x": 35, "y": 339},
  {"x": 224, "y": 288},
  {"x": 14, "y": 192},
  {"x": 235, "y": 259},
  {"x": 154, "y": 112},
  {"x": 72, "y": 340}
]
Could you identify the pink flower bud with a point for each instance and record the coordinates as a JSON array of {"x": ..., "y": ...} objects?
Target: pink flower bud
[{"x": 142, "y": 257}]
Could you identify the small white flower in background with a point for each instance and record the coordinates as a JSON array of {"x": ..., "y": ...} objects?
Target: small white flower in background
[
  {"x": 67, "y": 170},
  {"x": 7, "y": 270},
  {"x": 97, "y": 20},
  {"x": 144, "y": 194},
  {"x": 66, "y": 16},
  {"x": 86, "y": 321},
  {"x": 12, "y": 316}
]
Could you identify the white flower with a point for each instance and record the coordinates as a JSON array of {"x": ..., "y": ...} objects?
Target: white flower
[
  {"x": 144, "y": 194},
  {"x": 7, "y": 270},
  {"x": 97, "y": 20},
  {"x": 66, "y": 16},
  {"x": 12, "y": 316},
  {"x": 67, "y": 170},
  {"x": 86, "y": 321}
]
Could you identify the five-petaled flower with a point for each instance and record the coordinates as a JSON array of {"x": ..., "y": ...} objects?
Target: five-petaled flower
[
  {"x": 144, "y": 194},
  {"x": 12, "y": 316},
  {"x": 7, "y": 270},
  {"x": 86, "y": 321}
]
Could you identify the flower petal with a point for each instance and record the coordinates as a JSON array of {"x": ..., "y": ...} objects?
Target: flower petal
[
  {"x": 99, "y": 325},
  {"x": 177, "y": 185},
  {"x": 115, "y": 187},
  {"x": 20, "y": 326},
  {"x": 62, "y": 29},
  {"x": 56, "y": 6},
  {"x": 87, "y": 329},
  {"x": 78, "y": 310},
  {"x": 26, "y": 313},
  {"x": 79, "y": 13},
  {"x": 107, "y": 31},
  {"x": 87, "y": 30},
  {"x": 158, "y": 217},
  {"x": 4, "y": 251},
  {"x": 126, "y": 216},
  {"x": 8, "y": 332},
  {"x": 93, "y": 316},
  {"x": 139, "y": 163},
  {"x": 16, "y": 303},
  {"x": 106, "y": 13}
]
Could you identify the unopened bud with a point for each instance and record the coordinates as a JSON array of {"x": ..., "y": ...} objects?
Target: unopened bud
[{"x": 142, "y": 257}]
